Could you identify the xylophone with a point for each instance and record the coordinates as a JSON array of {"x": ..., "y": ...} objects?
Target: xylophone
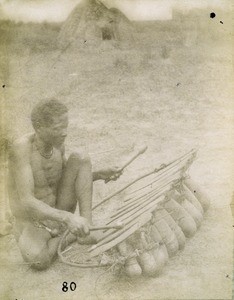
[{"x": 161, "y": 210}]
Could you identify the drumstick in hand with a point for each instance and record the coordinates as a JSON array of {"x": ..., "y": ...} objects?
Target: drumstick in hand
[
  {"x": 133, "y": 156},
  {"x": 106, "y": 227}
]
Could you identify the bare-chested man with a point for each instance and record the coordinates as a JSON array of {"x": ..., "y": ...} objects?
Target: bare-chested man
[{"x": 44, "y": 187}]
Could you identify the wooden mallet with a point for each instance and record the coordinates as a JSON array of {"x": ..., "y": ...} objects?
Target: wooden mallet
[{"x": 117, "y": 225}]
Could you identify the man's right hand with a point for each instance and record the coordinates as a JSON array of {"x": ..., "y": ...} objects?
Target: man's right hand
[{"x": 78, "y": 225}]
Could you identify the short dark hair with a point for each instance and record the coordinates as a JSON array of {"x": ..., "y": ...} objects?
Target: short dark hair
[{"x": 45, "y": 111}]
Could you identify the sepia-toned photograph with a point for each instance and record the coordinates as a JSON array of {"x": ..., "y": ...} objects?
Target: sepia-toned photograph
[{"x": 117, "y": 149}]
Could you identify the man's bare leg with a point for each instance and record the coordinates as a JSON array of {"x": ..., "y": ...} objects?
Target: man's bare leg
[
  {"x": 37, "y": 246},
  {"x": 76, "y": 186}
]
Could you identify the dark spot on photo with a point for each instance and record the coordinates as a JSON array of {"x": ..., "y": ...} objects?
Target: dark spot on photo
[{"x": 212, "y": 15}]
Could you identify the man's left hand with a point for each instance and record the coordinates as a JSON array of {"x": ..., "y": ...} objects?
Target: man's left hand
[{"x": 109, "y": 174}]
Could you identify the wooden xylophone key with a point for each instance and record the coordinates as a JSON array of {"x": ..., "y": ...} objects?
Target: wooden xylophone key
[
  {"x": 117, "y": 236},
  {"x": 140, "y": 209},
  {"x": 148, "y": 194},
  {"x": 154, "y": 184}
]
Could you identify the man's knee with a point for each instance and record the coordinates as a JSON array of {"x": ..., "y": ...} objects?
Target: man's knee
[
  {"x": 80, "y": 158},
  {"x": 42, "y": 263},
  {"x": 39, "y": 261}
]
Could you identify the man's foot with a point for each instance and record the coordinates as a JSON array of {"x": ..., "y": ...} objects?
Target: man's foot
[
  {"x": 70, "y": 238},
  {"x": 88, "y": 240}
]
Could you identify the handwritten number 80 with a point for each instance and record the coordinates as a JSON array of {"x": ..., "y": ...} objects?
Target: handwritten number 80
[{"x": 65, "y": 287}]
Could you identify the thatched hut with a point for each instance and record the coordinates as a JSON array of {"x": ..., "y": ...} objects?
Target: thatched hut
[{"x": 91, "y": 23}]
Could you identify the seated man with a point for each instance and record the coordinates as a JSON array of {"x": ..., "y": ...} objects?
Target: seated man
[{"x": 44, "y": 187}]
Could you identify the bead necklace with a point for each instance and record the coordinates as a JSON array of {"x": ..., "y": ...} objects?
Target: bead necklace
[{"x": 47, "y": 155}]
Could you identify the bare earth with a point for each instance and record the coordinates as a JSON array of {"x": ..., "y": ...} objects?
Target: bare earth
[{"x": 172, "y": 96}]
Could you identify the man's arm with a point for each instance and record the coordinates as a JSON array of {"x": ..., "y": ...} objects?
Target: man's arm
[
  {"x": 64, "y": 159},
  {"x": 96, "y": 176},
  {"x": 111, "y": 173}
]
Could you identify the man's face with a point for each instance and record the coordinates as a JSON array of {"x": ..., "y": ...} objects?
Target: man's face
[{"x": 55, "y": 133}]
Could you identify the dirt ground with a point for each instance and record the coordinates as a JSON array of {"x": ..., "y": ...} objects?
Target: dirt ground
[{"x": 171, "y": 90}]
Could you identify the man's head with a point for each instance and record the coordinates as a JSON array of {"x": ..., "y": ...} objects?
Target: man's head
[{"x": 50, "y": 120}]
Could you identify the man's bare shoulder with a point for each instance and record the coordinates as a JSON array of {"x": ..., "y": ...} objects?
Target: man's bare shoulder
[{"x": 21, "y": 147}]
